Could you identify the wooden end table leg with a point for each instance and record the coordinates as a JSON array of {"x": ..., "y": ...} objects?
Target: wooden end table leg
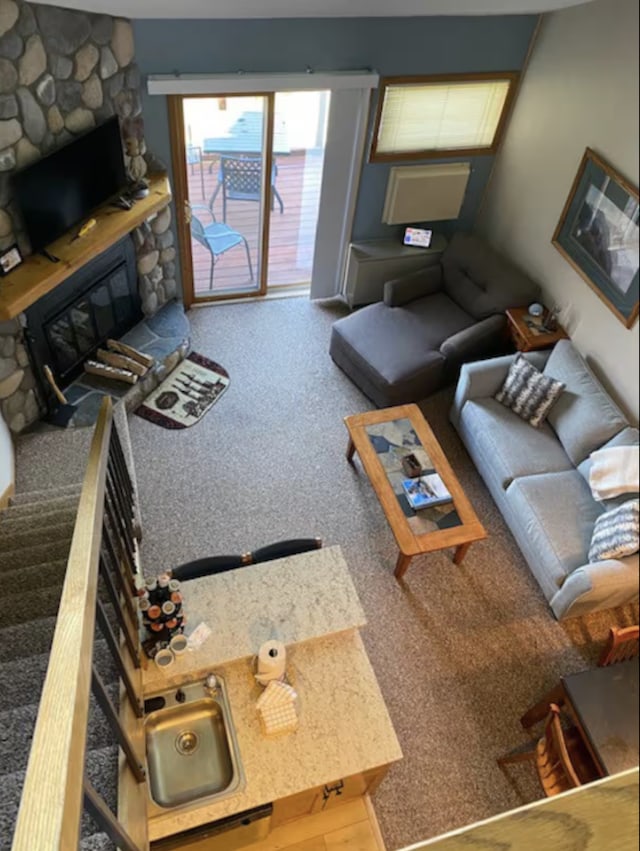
[
  {"x": 541, "y": 708},
  {"x": 460, "y": 553},
  {"x": 402, "y": 565},
  {"x": 351, "y": 448}
]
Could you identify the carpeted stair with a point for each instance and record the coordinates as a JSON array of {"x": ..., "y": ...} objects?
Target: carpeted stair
[{"x": 35, "y": 536}]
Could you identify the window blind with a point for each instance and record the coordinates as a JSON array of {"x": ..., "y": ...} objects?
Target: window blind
[{"x": 440, "y": 116}]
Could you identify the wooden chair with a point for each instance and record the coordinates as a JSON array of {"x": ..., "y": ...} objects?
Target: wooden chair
[
  {"x": 560, "y": 756},
  {"x": 621, "y": 646}
]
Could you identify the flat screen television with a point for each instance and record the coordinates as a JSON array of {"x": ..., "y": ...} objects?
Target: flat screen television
[{"x": 60, "y": 190}]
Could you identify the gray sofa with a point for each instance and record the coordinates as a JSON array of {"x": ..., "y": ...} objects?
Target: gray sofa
[
  {"x": 539, "y": 477},
  {"x": 407, "y": 346}
]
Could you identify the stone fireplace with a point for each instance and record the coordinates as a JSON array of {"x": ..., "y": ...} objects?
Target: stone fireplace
[
  {"x": 98, "y": 302},
  {"x": 61, "y": 73}
]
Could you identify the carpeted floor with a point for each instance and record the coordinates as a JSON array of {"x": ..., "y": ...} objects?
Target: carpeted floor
[{"x": 460, "y": 652}]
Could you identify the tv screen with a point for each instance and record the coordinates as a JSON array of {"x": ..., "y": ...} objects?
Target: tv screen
[{"x": 60, "y": 190}]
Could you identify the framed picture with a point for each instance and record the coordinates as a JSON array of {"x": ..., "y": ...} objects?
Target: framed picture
[
  {"x": 598, "y": 234},
  {"x": 9, "y": 259}
]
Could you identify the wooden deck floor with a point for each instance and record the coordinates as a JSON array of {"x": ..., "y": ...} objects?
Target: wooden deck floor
[{"x": 292, "y": 232}]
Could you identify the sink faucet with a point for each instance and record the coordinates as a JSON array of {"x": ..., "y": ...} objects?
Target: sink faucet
[{"x": 211, "y": 683}]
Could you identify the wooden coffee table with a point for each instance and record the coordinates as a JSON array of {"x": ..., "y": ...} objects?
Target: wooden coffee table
[{"x": 381, "y": 438}]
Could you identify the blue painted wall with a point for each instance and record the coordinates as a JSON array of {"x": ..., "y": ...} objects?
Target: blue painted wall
[{"x": 390, "y": 46}]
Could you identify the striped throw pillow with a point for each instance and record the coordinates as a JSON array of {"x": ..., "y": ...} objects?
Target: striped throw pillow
[
  {"x": 616, "y": 532},
  {"x": 528, "y": 392}
]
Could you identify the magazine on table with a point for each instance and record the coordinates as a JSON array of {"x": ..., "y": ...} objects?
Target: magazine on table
[{"x": 426, "y": 491}]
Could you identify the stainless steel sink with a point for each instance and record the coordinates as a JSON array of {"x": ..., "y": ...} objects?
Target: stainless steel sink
[{"x": 191, "y": 746}]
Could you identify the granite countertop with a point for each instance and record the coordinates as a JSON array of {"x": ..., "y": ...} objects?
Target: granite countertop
[
  {"x": 344, "y": 729},
  {"x": 293, "y": 599}
]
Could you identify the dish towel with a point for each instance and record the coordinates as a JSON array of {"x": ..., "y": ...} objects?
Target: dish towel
[
  {"x": 277, "y": 709},
  {"x": 614, "y": 471}
]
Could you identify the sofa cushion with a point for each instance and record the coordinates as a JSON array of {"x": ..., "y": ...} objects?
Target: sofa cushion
[
  {"x": 614, "y": 471},
  {"x": 480, "y": 280},
  {"x": 629, "y": 436},
  {"x": 557, "y": 514},
  {"x": 584, "y": 417},
  {"x": 508, "y": 445},
  {"x": 615, "y": 534},
  {"x": 528, "y": 392},
  {"x": 392, "y": 352}
]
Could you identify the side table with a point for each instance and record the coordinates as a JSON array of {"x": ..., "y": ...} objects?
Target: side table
[{"x": 528, "y": 333}]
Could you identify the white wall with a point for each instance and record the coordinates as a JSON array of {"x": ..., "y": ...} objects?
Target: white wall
[
  {"x": 580, "y": 90},
  {"x": 6, "y": 459}
]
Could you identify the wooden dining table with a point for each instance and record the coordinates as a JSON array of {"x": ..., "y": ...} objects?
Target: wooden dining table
[{"x": 603, "y": 704}]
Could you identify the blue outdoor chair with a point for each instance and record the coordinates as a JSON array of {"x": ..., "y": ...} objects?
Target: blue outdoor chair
[
  {"x": 194, "y": 158},
  {"x": 240, "y": 179},
  {"x": 217, "y": 238}
]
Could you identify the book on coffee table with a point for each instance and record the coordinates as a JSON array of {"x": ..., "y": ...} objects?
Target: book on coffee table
[{"x": 426, "y": 491}]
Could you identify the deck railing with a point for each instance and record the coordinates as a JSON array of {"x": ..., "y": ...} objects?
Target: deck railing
[{"x": 56, "y": 788}]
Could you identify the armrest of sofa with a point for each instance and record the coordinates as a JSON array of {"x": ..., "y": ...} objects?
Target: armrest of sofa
[
  {"x": 414, "y": 285},
  {"x": 600, "y": 585},
  {"x": 484, "y": 378},
  {"x": 476, "y": 340}
]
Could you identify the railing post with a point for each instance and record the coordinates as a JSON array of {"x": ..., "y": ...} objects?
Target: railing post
[
  {"x": 125, "y": 506},
  {"x": 132, "y": 646},
  {"x": 101, "y": 813},
  {"x": 100, "y": 694},
  {"x": 114, "y": 527},
  {"x": 127, "y": 583},
  {"x": 112, "y": 642},
  {"x": 117, "y": 518},
  {"x": 115, "y": 447}
]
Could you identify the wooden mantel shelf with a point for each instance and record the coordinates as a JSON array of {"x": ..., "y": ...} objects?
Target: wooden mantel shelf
[{"x": 37, "y": 276}]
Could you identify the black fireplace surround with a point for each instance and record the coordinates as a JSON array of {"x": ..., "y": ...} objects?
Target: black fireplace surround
[{"x": 65, "y": 327}]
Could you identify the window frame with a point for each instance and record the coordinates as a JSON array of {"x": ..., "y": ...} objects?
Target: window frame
[{"x": 512, "y": 77}]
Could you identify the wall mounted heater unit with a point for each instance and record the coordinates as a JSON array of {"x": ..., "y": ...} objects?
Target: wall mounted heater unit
[{"x": 425, "y": 193}]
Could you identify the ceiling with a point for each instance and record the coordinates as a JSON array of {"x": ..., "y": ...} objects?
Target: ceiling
[{"x": 310, "y": 8}]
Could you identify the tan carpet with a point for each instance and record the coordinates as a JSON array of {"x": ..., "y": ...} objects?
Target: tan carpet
[{"x": 460, "y": 652}]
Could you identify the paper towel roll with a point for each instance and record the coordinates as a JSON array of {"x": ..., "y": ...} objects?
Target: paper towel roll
[{"x": 272, "y": 659}]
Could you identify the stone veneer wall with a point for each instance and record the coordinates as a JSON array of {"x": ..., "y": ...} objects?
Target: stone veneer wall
[{"x": 61, "y": 73}]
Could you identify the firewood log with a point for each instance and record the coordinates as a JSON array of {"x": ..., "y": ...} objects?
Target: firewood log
[
  {"x": 121, "y": 361},
  {"x": 96, "y": 368},
  {"x": 130, "y": 352}
]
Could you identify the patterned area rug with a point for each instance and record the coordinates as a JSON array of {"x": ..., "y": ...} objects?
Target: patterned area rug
[{"x": 186, "y": 394}]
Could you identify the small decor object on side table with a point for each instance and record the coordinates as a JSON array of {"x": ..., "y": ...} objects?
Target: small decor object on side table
[
  {"x": 530, "y": 332},
  {"x": 9, "y": 259}
]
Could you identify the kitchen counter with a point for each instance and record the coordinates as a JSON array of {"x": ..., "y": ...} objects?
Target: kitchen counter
[
  {"x": 344, "y": 728},
  {"x": 292, "y": 599},
  {"x": 307, "y": 601}
]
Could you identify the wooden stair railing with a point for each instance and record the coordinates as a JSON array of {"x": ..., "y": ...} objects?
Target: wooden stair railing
[{"x": 103, "y": 546}]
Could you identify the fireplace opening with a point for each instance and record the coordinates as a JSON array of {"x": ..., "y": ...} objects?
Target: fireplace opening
[{"x": 66, "y": 326}]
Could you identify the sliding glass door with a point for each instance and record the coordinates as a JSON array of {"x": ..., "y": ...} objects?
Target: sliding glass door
[
  {"x": 292, "y": 233},
  {"x": 220, "y": 153},
  {"x": 247, "y": 174}
]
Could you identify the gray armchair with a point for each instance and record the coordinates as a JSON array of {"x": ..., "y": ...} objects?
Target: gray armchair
[{"x": 430, "y": 322}]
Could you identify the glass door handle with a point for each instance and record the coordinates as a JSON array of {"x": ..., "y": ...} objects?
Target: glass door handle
[{"x": 187, "y": 213}]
